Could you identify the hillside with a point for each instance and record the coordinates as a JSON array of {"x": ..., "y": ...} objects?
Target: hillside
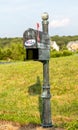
[{"x": 21, "y": 88}]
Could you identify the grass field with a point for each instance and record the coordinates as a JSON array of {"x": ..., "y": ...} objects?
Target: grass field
[{"x": 21, "y": 88}]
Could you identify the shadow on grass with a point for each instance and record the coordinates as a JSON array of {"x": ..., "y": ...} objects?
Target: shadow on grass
[{"x": 35, "y": 89}]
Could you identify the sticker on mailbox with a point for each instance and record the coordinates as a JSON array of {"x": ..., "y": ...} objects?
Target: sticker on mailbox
[{"x": 30, "y": 42}]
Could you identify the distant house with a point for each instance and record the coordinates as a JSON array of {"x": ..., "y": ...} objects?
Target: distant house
[
  {"x": 54, "y": 45},
  {"x": 72, "y": 45}
]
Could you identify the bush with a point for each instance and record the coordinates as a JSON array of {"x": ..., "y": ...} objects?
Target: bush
[
  {"x": 66, "y": 53},
  {"x": 60, "y": 53},
  {"x": 56, "y": 54},
  {"x": 1, "y": 54},
  {"x": 18, "y": 52},
  {"x": 7, "y": 53},
  {"x": 13, "y": 52}
]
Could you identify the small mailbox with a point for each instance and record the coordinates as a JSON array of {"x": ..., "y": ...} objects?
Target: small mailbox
[{"x": 37, "y": 45}]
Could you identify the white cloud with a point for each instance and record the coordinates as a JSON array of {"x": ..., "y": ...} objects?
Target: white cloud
[{"x": 60, "y": 23}]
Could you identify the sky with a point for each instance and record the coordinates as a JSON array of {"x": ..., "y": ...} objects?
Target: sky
[{"x": 16, "y": 16}]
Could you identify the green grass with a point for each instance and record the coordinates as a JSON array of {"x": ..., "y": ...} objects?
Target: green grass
[{"x": 21, "y": 88}]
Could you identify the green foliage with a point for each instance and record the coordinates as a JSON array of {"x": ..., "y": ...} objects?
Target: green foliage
[
  {"x": 77, "y": 51},
  {"x": 17, "y": 51},
  {"x": 12, "y": 48},
  {"x": 6, "y": 53},
  {"x": 56, "y": 54},
  {"x": 1, "y": 54},
  {"x": 60, "y": 53},
  {"x": 66, "y": 53}
]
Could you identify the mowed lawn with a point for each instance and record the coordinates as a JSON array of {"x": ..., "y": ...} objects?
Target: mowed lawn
[{"x": 21, "y": 88}]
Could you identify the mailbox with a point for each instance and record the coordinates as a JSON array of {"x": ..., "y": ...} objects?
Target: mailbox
[{"x": 37, "y": 45}]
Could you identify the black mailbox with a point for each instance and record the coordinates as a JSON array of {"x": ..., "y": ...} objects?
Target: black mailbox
[{"x": 37, "y": 45}]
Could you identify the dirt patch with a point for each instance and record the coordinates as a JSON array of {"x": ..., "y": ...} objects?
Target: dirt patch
[{"x": 5, "y": 125}]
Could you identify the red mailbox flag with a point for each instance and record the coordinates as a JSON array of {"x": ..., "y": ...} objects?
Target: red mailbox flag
[
  {"x": 38, "y": 26},
  {"x": 38, "y": 37}
]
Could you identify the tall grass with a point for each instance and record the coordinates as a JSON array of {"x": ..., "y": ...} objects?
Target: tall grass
[{"x": 21, "y": 88}]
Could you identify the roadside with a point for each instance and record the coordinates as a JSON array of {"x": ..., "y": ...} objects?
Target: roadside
[{"x": 6, "y": 125}]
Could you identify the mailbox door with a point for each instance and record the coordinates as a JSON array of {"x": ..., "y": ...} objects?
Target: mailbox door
[{"x": 32, "y": 54}]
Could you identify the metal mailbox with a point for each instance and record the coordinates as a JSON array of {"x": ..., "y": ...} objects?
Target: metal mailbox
[{"x": 37, "y": 45}]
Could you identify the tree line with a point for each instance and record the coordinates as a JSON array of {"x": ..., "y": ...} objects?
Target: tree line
[
  {"x": 62, "y": 41},
  {"x": 13, "y": 49}
]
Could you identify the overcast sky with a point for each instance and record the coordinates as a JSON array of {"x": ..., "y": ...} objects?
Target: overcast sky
[{"x": 18, "y": 15}]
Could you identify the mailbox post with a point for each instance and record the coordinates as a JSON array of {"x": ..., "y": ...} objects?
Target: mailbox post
[
  {"x": 40, "y": 50},
  {"x": 46, "y": 111}
]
